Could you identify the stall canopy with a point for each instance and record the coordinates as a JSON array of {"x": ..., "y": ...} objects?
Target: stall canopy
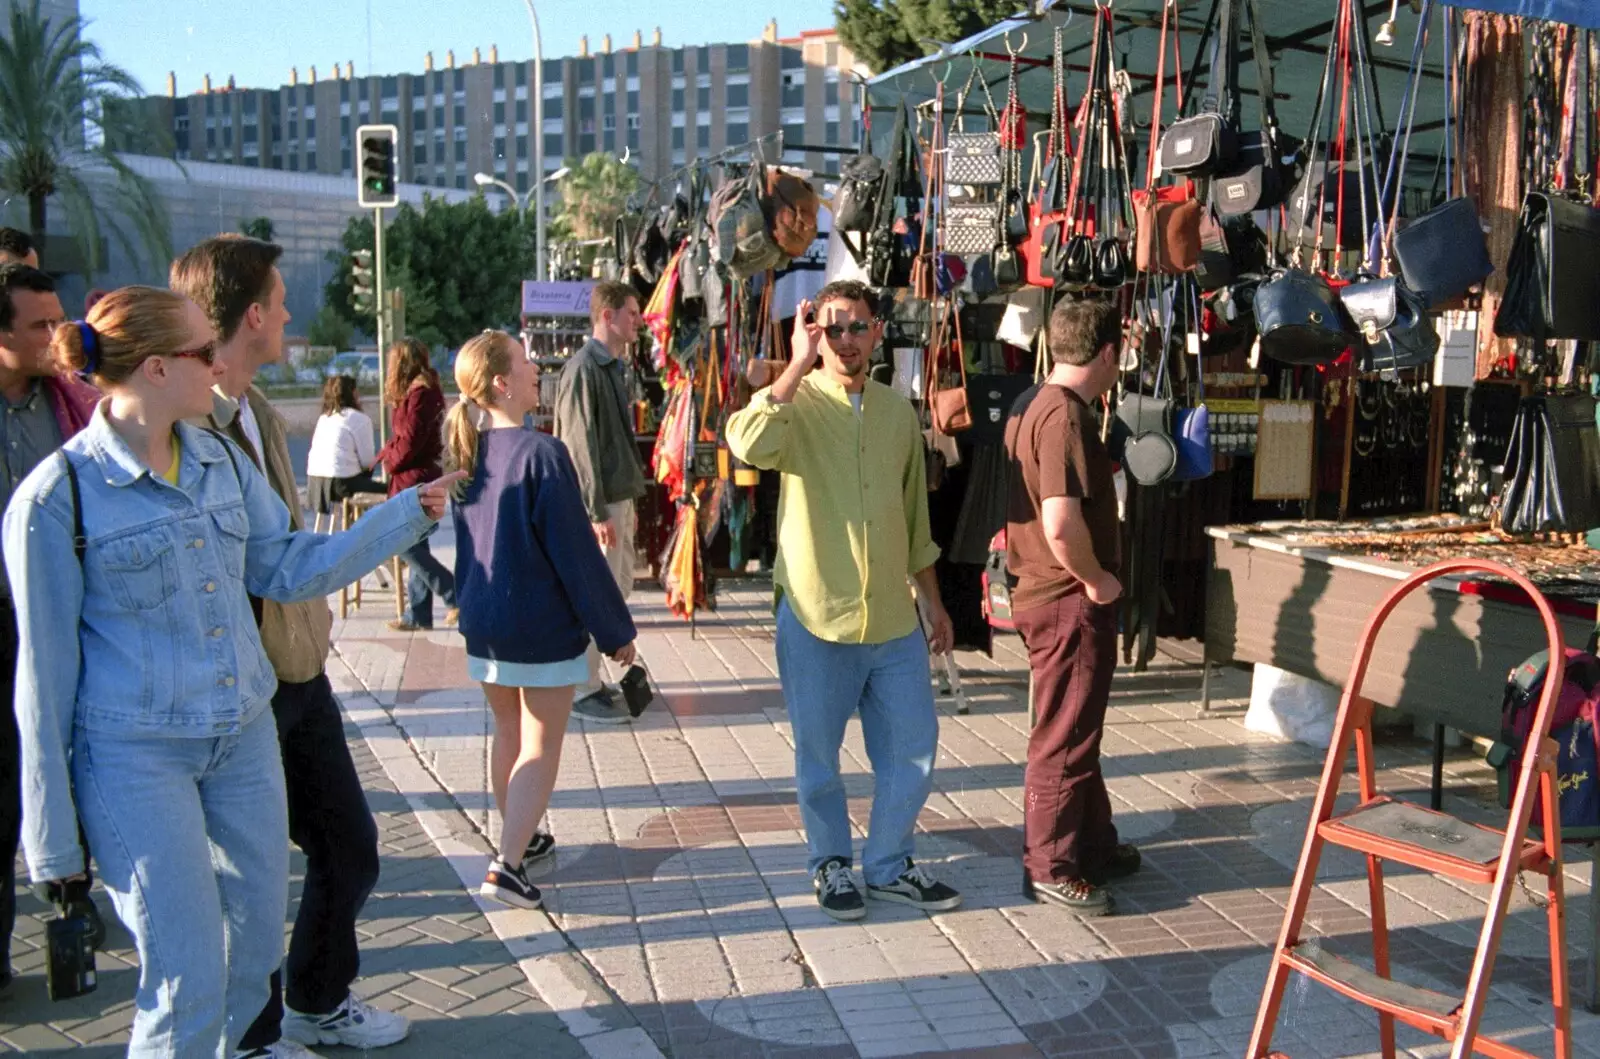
[
  {"x": 1297, "y": 34},
  {"x": 1584, "y": 13}
]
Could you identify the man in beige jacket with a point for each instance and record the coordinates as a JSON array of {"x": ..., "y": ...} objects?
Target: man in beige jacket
[{"x": 236, "y": 281}]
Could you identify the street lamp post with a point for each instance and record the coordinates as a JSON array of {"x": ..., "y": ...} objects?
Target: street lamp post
[{"x": 538, "y": 145}]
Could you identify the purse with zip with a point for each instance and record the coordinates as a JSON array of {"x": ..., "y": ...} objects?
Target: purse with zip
[
  {"x": 973, "y": 158},
  {"x": 1207, "y": 143},
  {"x": 1263, "y": 170},
  {"x": 1299, "y": 319}
]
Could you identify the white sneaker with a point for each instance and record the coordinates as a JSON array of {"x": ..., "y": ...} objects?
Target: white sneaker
[
  {"x": 284, "y": 1049},
  {"x": 355, "y": 1024}
]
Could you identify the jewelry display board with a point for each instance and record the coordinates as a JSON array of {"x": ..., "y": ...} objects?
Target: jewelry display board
[{"x": 1285, "y": 436}]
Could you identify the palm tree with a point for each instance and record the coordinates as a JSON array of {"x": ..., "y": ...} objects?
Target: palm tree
[
  {"x": 593, "y": 195},
  {"x": 59, "y": 115}
]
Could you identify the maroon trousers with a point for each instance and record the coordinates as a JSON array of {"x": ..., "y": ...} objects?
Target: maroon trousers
[{"x": 1072, "y": 650}]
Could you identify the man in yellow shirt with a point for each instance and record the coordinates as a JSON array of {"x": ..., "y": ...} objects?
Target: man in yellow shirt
[{"x": 852, "y": 531}]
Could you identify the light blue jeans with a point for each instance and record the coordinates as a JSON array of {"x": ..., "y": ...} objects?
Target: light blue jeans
[
  {"x": 890, "y": 684},
  {"x": 191, "y": 837}
]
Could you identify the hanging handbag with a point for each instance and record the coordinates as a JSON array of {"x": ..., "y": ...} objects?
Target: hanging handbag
[
  {"x": 1167, "y": 229},
  {"x": 742, "y": 242},
  {"x": 1192, "y": 426},
  {"x": 1150, "y": 455},
  {"x": 973, "y": 158},
  {"x": 855, "y": 204},
  {"x": 1207, "y": 143},
  {"x": 1394, "y": 321},
  {"x": 1550, "y": 275},
  {"x": 1263, "y": 169},
  {"x": 1299, "y": 320},
  {"x": 971, "y": 227},
  {"x": 1552, "y": 467},
  {"x": 1442, "y": 253},
  {"x": 948, "y": 406}
]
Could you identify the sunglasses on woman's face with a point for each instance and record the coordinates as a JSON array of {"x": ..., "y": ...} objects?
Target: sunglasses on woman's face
[
  {"x": 855, "y": 329},
  {"x": 206, "y": 354}
]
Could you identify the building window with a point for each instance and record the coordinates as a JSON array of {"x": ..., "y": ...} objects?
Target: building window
[
  {"x": 633, "y": 102},
  {"x": 738, "y": 95},
  {"x": 633, "y": 121},
  {"x": 522, "y": 147},
  {"x": 419, "y": 154},
  {"x": 521, "y": 74},
  {"x": 702, "y": 98},
  {"x": 831, "y": 131},
  {"x": 608, "y": 142},
  {"x": 677, "y": 63},
  {"x": 459, "y": 80},
  {"x": 344, "y": 91},
  {"x": 251, "y": 133},
  {"x": 677, "y": 137},
  {"x": 311, "y": 128},
  {"x": 608, "y": 122},
  {"x": 461, "y": 150},
  {"x": 633, "y": 135},
  {"x": 702, "y": 136},
  {"x": 738, "y": 58},
  {"x": 311, "y": 111},
  {"x": 419, "y": 119},
  {"x": 344, "y": 161},
  {"x": 227, "y": 136},
  {"x": 830, "y": 93},
  {"x": 461, "y": 114},
  {"x": 522, "y": 110},
  {"x": 552, "y": 146},
  {"x": 793, "y": 58},
  {"x": 311, "y": 161},
  {"x": 344, "y": 128},
  {"x": 294, "y": 163},
  {"x": 461, "y": 181},
  {"x": 554, "y": 108},
  {"x": 586, "y": 108},
  {"x": 608, "y": 64},
  {"x": 586, "y": 73},
  {"x": 609, "y": 85},
  {"x": 500, "y": 113},
  {"x": 552, "y": 70},
  {"x": 438, "y": 117},
  {"x": 631, "y": 63},
  {"x": 738, "y": 134},
  {"x": 500, "y": 147},
  {"x": 677, "y": 101},
  {"x": 361, "y": 89},
  {"x": 586, "y": 144},
  {"x": 794, "y": 134}
]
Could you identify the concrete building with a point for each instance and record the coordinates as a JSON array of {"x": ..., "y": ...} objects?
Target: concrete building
[
  {"x": 665, "y": 106},
  {"x": 308, "y": 212}
]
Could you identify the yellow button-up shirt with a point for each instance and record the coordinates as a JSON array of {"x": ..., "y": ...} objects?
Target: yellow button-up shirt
[{"x": 853, "y": 509}]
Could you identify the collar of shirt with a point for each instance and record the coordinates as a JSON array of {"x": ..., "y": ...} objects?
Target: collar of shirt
[
  {"x": 599, "y": 351},
  {"x": 117, "y": 461},
  {"x": 223, "y": 408},
  {"x": 35, "y": 390}
]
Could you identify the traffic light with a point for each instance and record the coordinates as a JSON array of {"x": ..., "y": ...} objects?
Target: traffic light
[
  {"x": 361, "y": 281},
  {"x": 378, "y": 176}
]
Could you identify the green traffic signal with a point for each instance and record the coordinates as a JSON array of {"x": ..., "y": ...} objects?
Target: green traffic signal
[{"x": 379, "y": 171}]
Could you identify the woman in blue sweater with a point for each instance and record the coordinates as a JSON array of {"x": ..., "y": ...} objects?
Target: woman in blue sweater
[{"x": 532, "y": 585}]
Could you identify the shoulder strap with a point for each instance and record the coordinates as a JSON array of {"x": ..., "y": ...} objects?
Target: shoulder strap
[{"x": 80, "y": 543}]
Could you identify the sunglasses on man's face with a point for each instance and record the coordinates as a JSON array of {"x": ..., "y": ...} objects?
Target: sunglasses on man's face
[
  {"x": 855, "y": 329},
  {"x": 206, "y": 354}
]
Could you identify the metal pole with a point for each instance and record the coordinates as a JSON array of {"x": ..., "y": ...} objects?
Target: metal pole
[
  {"x": 378, "y": 297},
  {"x": 538, "y": 145}
]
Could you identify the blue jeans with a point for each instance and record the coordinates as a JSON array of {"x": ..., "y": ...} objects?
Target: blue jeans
[
  {"x": 191, "y": 837},
  {"x": 427, "y": 577},
  {"x": 892, "y": 687}
]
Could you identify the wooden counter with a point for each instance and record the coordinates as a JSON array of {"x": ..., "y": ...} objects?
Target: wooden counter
[{"x": 1444, "y": 654}]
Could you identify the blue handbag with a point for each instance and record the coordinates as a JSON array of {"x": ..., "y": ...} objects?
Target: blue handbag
[{"x": 1192, "y": 428}]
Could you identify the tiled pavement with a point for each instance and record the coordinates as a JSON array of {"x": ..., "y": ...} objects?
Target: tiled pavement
[{"x": 681, "y": 922}]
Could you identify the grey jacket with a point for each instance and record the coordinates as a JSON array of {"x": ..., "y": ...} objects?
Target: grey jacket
[{"x": 593, "y": 417}]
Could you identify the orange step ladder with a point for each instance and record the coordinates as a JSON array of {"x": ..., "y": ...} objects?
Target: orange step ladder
[{"x": 1384, "y": 828}]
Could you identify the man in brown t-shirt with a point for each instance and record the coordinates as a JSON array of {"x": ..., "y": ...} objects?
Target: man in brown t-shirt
[{"x": 1064, "y": 550}]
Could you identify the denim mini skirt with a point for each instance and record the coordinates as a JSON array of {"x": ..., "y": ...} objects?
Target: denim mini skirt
[{"x": 574, "y": 671}]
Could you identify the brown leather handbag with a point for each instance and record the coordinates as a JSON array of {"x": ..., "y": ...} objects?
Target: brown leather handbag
[{"x": 1167, "y": 226}]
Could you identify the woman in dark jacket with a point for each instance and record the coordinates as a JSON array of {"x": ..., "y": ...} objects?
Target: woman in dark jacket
[{"x": 411, "y": 457}]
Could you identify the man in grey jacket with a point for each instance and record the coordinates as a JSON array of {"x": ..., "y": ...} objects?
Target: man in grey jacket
[{"x": 594, "y": 417}]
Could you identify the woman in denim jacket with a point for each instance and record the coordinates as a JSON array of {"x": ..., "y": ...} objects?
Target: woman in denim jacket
[{"x": 142, "y": 689}]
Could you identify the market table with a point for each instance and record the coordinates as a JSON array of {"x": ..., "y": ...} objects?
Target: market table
[{"x": 1279, "y": 594}]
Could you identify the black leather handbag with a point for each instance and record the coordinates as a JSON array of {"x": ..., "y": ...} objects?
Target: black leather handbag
[
  {"x": 1263, "y": 170},
  {"x": 1395, "y": 323},
  {"x": 1442, "y": 253},
  {"x": 1208, "y": 142},
  {"x": 1299, "y": 320},
  {"x": 1552, "y": 476},
  {"x": 1550, "y": 277}
]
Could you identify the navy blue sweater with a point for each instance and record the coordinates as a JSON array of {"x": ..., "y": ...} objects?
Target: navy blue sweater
[{"x": 531, "y": 581}]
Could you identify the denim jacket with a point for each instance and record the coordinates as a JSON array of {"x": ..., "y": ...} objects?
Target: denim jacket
[{"x": 152, "y": 633}]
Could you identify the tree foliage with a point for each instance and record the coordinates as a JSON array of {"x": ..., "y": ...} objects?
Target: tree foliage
[
  {"x": 59, "y": 116},
  {"x": 460, "y": 264},
  {"x": 882, "y": 34},
  {"x": 257, "y": 228},
  {"x": 593, "y": 195},
  {"x": 328, "y": 328}
]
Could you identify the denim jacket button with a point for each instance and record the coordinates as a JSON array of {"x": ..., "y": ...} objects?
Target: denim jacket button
[
  {"x": 216, "y": 633},
  {"x": 226, "y": 682},
  {"x": 211, "y": 586},
  {"x": 199, "y": 542}
]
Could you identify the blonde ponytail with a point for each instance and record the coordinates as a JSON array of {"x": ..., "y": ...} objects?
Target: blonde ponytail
[{"x": 477, "y": 364}]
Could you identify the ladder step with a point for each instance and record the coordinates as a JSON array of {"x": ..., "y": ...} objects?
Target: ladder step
[
  {"x": 1423, "y": 838},
  {"x": 1424, "y": 1008}
]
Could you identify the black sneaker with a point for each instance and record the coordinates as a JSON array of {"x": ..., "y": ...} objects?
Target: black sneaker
[
  {"x": 1080, "y": 895},
  {"x": 509, "y": 886},
  {"x": 837, "y": 892},
  {"x": 541, "y": 848},
  {"x": 917, "y": 888},
  {"x": 602, "y": 708}
]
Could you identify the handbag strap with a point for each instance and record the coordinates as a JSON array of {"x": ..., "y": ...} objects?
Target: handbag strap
[
  {"x": 1084, "y": 125},
  {"x": 1167, "y": 10},
  {"x": 1400, "y": 150},
  {"x": 1266, "y": 86}
]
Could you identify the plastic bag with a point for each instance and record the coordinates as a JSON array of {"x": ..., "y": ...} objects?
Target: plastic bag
[{"x": 1290, "y": 706}]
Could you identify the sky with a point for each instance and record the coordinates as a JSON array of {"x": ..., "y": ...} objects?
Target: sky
[{"x": 258, "y": 42}]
